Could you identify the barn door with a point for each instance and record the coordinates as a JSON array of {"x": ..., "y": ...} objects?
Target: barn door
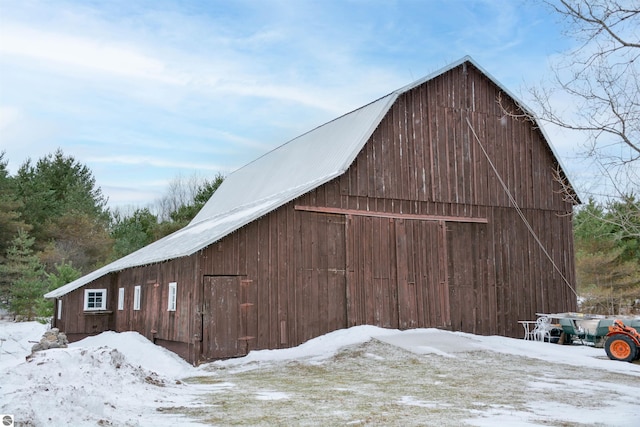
[
  {"x": 397, "y": 274},
  {"x": 320, "y": 272},
  {"x": 422, "y": 282},
  {"x": 473, "y": 305},
  {"x": 224, "y": 317}
]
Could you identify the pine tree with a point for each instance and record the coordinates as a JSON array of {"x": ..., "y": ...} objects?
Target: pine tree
[
  {"x": 65, "y": 273},
  {"x": 132, "y": 232},
  {"x": 61, "y": 201},
  {"x": 24, "y": 296},
  {"x": 10, "y": 206}
]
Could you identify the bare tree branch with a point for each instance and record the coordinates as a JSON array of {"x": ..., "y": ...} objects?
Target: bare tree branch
[
  {"x": 595, "y": 88},
  {"x": 603, "y": 16}
]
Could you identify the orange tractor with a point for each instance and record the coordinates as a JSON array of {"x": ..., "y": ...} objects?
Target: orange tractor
[{"x": 623, "y": 342}]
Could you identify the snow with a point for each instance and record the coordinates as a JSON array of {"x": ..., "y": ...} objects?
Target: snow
[
  {"x": 138, "y": 351},
  {"x": 123, "y": 379},
  {"x": 111, "y": 378},
  {"x": 317, "y": 349}
]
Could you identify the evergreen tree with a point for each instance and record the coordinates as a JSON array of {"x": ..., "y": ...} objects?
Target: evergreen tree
[
  {"x": 64, "y": 273},
  {"x": 133, "y": 232},
  {"x": 55, "y": 186},
  {"x": 10, "y": 206},
  {"x": 608, "y": 256},
  {"x": 27, "y": 280},
  {"x": 60, "y": 199}
]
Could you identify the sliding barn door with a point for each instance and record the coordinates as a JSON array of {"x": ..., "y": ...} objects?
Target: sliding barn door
[
  {"x": 320, "y": 297},
  {"x": 397, "y": 273},
  {"x": 422, "y": 281},
  {"x": 472, "y": 292}
]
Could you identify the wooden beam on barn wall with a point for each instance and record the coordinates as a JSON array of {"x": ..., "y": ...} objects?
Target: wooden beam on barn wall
[
  {"x": 350, "y": 291},
  {"x": 356, "y": 212},
  {"x": 195, "y": 310},
  {"x": 246, "y": 329},
  {"x": 445, "y": 306}
]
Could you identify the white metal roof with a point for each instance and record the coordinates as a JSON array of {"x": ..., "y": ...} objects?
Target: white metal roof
[
  {"x": 299, "y": 165},
  {"x": 269, "y": 182}
]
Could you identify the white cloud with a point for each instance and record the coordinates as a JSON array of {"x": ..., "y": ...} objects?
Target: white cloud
[
  {"x": 154, "y": 161},
  {"x": 76, "y": 51},
  {"x": 8, "y": 116}
]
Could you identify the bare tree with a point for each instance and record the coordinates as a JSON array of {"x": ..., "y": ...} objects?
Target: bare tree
[
  {"x": 180, "y": 192},
  {"x": 598, "y": 82}
]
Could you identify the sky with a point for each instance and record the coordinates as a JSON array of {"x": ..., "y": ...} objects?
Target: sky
[{"x": 144, "y": 92}]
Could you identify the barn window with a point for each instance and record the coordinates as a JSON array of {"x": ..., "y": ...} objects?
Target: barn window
[
  {"x": 173, "y": 294},
  {"x": 136, "y": 297},
  {"x": 121, "y": 299},
  {"x": 59, "y": 309},
  {"x": 95, "y": 299}
]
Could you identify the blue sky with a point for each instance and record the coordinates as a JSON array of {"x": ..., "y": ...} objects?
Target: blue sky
[{"x": 144, "y": 91}]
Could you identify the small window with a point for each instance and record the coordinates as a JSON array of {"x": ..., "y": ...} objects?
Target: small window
[
  {"x": 95, "y": 299},
  {"x": 121, "y": 299},
  {"x": 173, "y": 293},
  {"x": 136, "y": 297},
  {"x": 59, "y": 309}
]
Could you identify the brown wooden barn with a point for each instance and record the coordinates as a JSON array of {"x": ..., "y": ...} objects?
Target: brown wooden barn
[{"x": 429, "y": 207}]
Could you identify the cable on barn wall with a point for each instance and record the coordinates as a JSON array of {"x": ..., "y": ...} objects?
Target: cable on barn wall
[{"x": 517, "y": 207}]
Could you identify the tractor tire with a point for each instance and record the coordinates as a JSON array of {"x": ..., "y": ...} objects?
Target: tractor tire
[{"x": 621, "y": 347}]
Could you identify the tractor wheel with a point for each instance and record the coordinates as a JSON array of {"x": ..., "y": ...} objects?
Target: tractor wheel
[{"x": 621, "y": 347}]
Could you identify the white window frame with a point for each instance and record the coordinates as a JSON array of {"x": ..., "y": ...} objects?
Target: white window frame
[
  {"x": 120, "y": 298},
  {"x": 93, "y": 306},
  {"x": 59, "y": 316},
  {"x": 137, "y": 296},
  {"x": 173, "y": 296}
]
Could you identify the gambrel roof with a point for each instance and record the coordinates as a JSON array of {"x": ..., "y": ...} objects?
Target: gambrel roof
[{"x": 269, "y": 182}]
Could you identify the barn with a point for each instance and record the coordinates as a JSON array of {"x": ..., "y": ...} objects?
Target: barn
[{"x": 429, "y": 207}]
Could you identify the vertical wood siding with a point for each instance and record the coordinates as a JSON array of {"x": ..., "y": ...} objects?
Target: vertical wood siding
[{"x": 79, "y": 324}]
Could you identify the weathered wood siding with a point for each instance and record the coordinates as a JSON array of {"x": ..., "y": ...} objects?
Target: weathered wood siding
[
  {"x": 293, "y": 264},
  {"x": 79, "y": 324},
  {"x": 424, "y": 159},
  {"x": 424, "y": 151},
  {"x": 174, "y": 329}
]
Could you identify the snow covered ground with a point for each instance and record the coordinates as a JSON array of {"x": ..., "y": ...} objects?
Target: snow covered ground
[{"x": 359, "y": 376}]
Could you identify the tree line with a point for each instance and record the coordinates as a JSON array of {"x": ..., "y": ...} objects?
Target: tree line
[
  {"x": 607, "y": 244},
  {"x": 55, "y": 226}
]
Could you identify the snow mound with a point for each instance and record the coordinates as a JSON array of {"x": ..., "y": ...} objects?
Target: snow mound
[
  {"x": 316, "y": 349},
  {"x": 109, "y": 379},
  {"x": 139, "y": 351}
]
